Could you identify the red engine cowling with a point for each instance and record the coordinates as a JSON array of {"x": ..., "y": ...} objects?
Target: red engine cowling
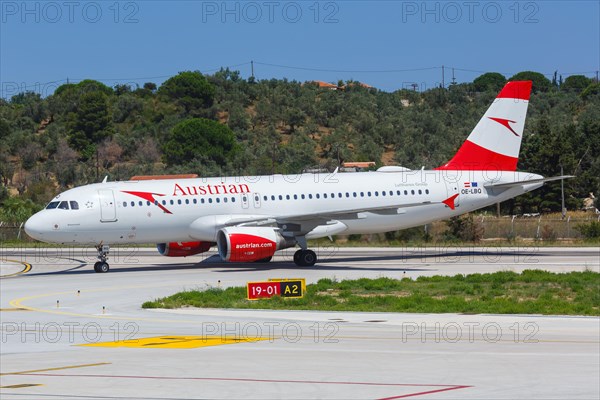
[
  {"x": 183, "y": 249},
  {"x": 247, "y": 244}
]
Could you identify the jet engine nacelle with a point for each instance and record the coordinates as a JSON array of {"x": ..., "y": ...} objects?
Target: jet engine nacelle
[
  {"x": 248, "y": 244},
  {"x": 182, "y": 249}
]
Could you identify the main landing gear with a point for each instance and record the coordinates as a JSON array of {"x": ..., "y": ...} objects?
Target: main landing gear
[
  {"x": 305, "y": 258},
  {"x": 102, "y": 265}
]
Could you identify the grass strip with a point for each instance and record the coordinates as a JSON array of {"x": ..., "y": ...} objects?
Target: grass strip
[{"x": 504, "y": 292}]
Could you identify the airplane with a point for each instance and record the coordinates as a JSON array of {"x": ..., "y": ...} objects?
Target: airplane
[{"x": 249, "y": 218}]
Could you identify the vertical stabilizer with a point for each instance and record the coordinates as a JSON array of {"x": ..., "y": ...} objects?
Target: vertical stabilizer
[{"x": 495, "y": 142}]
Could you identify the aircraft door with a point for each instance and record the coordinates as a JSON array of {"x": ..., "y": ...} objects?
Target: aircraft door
[
  {"x": 108, "y": 208},
  {"x": 453, "y": 185}
]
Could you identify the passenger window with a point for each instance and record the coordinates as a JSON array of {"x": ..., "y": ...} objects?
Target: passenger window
[
  {"x": 383, "y": 192},
  {"x": 195, "y": 201},
  {"x": 398, "y": 192},
  {"x": 132, "y": 204},
  {"x": 172, "y": 202},
  {"x": 187, "y": 201},
  {"x": 272, "y": 197},
  {"x": 405, "y": 192},
  {"x": 287, "y": 196},
  {"x": 362, "y": 194},
  {"x": 295, "y": 197},
  {"x": 124, "y": 204},
  {"x": 64, "y": 205},
  {"x": 140, "y": 203},
  {"x": 224, "y": 199},
  {"x": 310, "y": 195},
  {"x": 318, "y": 196},
  {"x": 233, "y": 199},
  {"x": 426, "y": 191},
  {"x": 265, "y": 198},
  {"x": 202, "y": 201},
  {"x": 412, "y": 192},
  {"x": 179, "y": 202},
  {"x": 74, "y": 205},
  {"x": 324, "y": 195},
  {"x": 218, "y": 200},
  {"x": 369, "y": 194},
  {"x": 420, "y": 192},
  {"x": 210, "y": 200},
  {"x": 52, "y": 205},
  {"x": 376, "y": 193},
  {"x": 302, "y": 196},
  {"x": 391, "y": 192}
]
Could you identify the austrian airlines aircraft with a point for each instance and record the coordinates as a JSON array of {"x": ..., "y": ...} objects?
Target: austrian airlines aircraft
[{"x": 250, "y": 218}]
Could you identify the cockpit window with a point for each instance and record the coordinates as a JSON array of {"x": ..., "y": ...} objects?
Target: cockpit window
[
  {"x": 74, "y": 205},
  {"x": 64, "y": 205},
  {"x": 52, "y": 205}
]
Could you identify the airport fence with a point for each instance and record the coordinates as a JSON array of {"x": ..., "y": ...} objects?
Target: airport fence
[{"x": 13, "y": 231}]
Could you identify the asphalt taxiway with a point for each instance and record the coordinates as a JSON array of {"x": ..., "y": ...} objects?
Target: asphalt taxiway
[{"x": 70, "y": 333}]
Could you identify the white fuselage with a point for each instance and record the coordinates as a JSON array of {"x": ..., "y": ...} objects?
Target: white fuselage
[{"x": 159, "y": 211}]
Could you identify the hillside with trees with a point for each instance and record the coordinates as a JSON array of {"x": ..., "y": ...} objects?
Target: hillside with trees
[{"x": 223, "y": 124}]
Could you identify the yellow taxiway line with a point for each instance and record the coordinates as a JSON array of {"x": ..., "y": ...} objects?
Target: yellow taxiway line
[
  {"x": 26, "y": 269},
  {"x": 33, "y": 371}
]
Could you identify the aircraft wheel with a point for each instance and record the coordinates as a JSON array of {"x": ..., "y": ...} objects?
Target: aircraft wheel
[
  {"x": 309, "y": 258},
  {"x": 101, "y": 267},
  {"x": 297, "y": 257},
  {"x": 305, "y": 258}
]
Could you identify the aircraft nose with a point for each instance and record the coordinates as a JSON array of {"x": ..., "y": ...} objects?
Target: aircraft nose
[{"x": 35, "y": 227}]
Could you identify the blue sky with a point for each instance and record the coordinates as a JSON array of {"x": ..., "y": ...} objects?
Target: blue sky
[{"x": 388, "y": 44}]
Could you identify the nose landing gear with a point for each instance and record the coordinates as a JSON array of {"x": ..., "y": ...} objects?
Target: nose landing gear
[{"x": 102, "y": 265}]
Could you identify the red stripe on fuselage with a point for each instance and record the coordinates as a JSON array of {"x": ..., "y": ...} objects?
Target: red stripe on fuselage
[
  {"x": 516, "y": 90},
  {"x": 476, "y": 158}
]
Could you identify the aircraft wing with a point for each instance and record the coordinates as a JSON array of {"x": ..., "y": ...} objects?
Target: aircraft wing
[
  {"x": 324, "y": 216},
  {"x": 520, "y": 183},
  {"x": 353, "y": 213}
]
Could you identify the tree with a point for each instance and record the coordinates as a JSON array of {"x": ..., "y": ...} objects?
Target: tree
[
  {"x": 465, "y": 228},
  {"x": 15, "y": 209},
  {"x": 198, "y": 138},
  {"x": 65, "y": 163},
  {"x": 490, "y": 81},
  {"x": 189, "y": 89},
  {"x": 540, "y": 82},
  {"x": 151, "y": 86},
  {"x": 4, "y": 128},
  {"x": 86, "y": 85},
  {"x": 576, "y": 83},
  {"x": 591, "y": 90},
  {"x": 32, "y": 105},
  {"x": 122, "y": 89},
  {"x": 294, "y": 118},
  {"x": 91, "y": 123}
]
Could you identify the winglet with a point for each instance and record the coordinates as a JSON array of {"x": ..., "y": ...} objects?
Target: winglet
[{"x": 450, "y": 201}]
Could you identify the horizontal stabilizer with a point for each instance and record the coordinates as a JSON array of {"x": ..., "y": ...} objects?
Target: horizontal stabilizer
[{"x": 520, "y": 183}]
